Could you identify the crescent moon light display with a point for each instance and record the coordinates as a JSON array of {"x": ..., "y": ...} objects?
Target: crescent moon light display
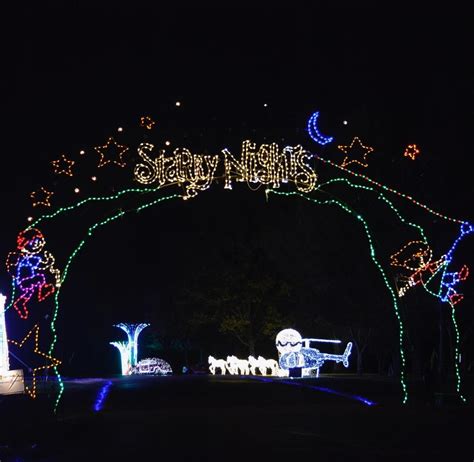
[{"x": 314, "y": 133}]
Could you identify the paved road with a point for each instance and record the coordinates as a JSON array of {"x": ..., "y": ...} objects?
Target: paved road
[{"x": 194, "y": 418}]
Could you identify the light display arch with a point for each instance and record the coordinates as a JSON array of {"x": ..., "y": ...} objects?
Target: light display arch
[{"x": 289, "y": 171}]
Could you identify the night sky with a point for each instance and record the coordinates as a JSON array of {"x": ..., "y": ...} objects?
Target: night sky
[{"x": 72, "y": 75}]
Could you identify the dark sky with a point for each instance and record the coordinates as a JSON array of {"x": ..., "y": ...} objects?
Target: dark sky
[{"x": 72, "y": 75}]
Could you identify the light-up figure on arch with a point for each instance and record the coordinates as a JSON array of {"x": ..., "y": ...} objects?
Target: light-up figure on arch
[
  {"x": 30, "y": 267},
  {"x": 416, "y": 257},
  {"x": 294, "y": 351}
]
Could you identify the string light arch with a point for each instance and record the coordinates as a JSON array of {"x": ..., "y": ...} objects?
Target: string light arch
[{"x": 274, "y": 167}]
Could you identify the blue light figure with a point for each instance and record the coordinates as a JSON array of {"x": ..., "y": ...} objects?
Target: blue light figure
[
  {"x": 29, "y": 267},
  {"x": 295, "y": 352},
  {"x": 449, "y": 281}
]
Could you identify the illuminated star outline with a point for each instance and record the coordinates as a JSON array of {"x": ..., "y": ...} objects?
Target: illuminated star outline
[
  {"x": 147, "y": 122},
  {"x": 120, "y": 149},
  {"x": 45, "y": 200},
  {"x": 54, "y": 362},
  {"x": 411, "y": 151},
  {"x": 347, "y": 149},
  {"x": 63, "y": 166}
]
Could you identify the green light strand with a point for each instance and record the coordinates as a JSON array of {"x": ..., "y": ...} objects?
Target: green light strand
[
  {"x": 456, "y": 353},
  {"x": 425, "y": 284},
  {"x": 90, "y": 199},
  {"x": 386, "y": 188},
  {"x": 139, "y": 190},
  {"x": 456, "y": 330},
  {"x": 12, "y": 296},
  {"x": 66, "y": 270},
  {"x": 73, "y": 207},
  {"x": 455, "y": 325},
  {"x": 378, "y": 265},
  {"x": 442, "y": 268},
  {"x": 382, "y": 198}
]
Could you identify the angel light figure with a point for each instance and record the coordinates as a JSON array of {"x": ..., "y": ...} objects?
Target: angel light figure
[{"x": 30, "y": 266}]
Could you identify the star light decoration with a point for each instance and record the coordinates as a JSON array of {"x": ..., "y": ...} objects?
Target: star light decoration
[
  {"x": 41, "y": 197},
  {"x": 63, "y": 166},
  {"x": 355, "y": 146},
  {"x": 111, "y": 152},
  {"x": 411, "y": 151},
  {"x": 147, "y": 122},
  {"x": 51, "y": 362}
]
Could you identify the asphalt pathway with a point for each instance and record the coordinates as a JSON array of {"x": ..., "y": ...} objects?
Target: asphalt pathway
[{"x": 194, "y": 418}]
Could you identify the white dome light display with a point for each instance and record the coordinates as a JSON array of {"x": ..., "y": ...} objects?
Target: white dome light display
[{"x": 152, "y": 366}]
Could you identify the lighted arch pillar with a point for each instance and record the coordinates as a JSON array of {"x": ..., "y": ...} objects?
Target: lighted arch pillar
[
  {"x": 132, "y": 331},
  {"x": 4, "y": 363}
]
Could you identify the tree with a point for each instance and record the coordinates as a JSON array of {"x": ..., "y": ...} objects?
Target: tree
[
  {"x": 360, "y": 337},
  {"x": 244, "y": 300}
]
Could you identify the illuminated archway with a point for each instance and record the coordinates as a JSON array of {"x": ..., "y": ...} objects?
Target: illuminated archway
[{"x": 37, "y": 277}]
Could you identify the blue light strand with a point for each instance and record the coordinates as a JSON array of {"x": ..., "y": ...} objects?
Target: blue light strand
[
  {"x": 466, "y": 228},
  {"x": 102, "y": 396}
]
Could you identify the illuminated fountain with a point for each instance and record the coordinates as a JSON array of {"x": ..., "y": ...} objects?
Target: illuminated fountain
[{"x": 129, "y": 349}]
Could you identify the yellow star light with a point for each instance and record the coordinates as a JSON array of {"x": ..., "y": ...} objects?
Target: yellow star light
[
  {"x": 41, "y": 197},
  {"x": 52, "y": 362},
  {"x": 147, "y": 122},
  {"x": 111, "y": 152},
  {"x": 63, "y": 166},
  {"x": 411, "y": 151},
  {"x": 356, "y": 147}
]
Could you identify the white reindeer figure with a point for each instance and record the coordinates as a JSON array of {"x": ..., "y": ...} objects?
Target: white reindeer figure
[
  {"x": 253, "y": 364},
  {"x": 236, "y": 365},
  {"x": 273, "y": 366},
  {"x": 265, "y": 364},
  {"x": 216, "y": 363},
  {"x": 262, "y": 366},
  {"x": 231, "y": 365}
]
